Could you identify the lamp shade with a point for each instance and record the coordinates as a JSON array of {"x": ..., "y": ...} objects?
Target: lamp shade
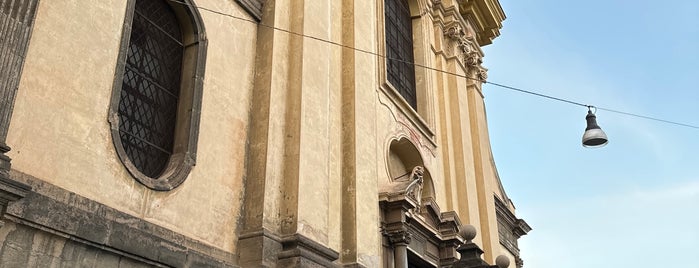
[{"x": 593, "y": 136}]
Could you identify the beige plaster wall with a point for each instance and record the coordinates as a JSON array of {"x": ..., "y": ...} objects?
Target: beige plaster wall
[
  {"x": 461, "y": 167},
  {"x": 60, "y": 133},
  {"x": 462, "y": 177},
  {"x": 59, "y": 130}
]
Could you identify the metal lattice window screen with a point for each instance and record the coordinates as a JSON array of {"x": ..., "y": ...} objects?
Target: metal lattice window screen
[
  {"x": 400, "y": 70},
  {"x": 151, "y": 87}
]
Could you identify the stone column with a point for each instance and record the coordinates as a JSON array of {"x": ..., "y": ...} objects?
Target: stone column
[
  {"x": 16, "y": 21},
  {"x": 400, "y": 241}
]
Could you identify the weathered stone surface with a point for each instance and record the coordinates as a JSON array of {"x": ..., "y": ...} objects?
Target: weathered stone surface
[
  {"x": 16, "y": 19},
  {"x": 294, "y": 138},
  {"x": 29, "y": 247},
  {"x": 83, "y": 232},
  {"x": 60, "y": 131}
]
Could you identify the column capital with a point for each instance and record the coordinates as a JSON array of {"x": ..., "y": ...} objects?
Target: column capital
[{"x": 400, "y": 238}]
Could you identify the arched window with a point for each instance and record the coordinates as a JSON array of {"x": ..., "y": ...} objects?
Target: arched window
[
  {"x": 157, "y": 91},
  {"x": 400, "y": 70}
]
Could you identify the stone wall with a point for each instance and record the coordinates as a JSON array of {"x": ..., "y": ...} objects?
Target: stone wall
[
  {"x": 294, "y": 139},
  {"x": 54, "y": 226},
  {"x": 60, "y": 132}
]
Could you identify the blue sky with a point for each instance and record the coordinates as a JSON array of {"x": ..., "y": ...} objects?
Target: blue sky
[{"x": 635, "y": 202}]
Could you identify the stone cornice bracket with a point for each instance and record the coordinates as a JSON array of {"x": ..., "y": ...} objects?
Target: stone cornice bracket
[
  {"x": 510, "y": 229},
  {"x": 471, "y": 54},
  {"x": 482, "y": 73},
  {"x": 454, "y": 31},
  {"x": 486, "y": 17},
  {"x": 463, "y": 45}
]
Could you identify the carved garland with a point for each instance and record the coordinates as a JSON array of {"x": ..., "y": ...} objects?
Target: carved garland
[{"x": 462, "y": 45}]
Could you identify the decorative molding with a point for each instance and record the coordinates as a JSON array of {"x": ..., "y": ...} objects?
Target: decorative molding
[
  {"x": 301, "y": 251},
  {"x": 486, "y": 16},
  {"x": 482, "y": 73},
  {"x": 259, "y": 248},
  {"x": 510, "y": 228},
  {"x": 454, "y": 31},
  {"x": 265, "y": 248},
  {"x": 431, "y": 235},
  {"x": 459, "y": 40},
  {"x": 399, "y": 237}
]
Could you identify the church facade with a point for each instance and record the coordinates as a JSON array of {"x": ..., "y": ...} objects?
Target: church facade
[{"x": 249, "y": 133}]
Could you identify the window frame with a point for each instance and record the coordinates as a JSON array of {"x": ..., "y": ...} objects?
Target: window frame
[
  {"x": 422, "y": 118},
  {"x": 405, "y": 75},
  {"x": 186, "y": 131}
]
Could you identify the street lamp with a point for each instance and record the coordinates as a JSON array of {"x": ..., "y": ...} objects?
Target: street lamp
[{"x": 593, "y": 136}]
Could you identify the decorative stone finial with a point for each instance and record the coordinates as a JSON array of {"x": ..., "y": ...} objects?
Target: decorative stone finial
[
  {"x": 502, "y": 261},
  {"x": 468, "y": 232}
]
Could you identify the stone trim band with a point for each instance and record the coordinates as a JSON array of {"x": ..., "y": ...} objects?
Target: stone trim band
[{"x": 52, "y": 211}]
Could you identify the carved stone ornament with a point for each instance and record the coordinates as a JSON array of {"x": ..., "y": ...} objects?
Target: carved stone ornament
[
  {"x": 469, "y": 52},
  {"x": 466, "y": 48},
  {"x": 482, "y": 74},
  {"x": 414, "y": 189},
  {"x": 454, "y": 32},
  {"x": 519, "y": 262},
  {"x": 401, "y": 237}
]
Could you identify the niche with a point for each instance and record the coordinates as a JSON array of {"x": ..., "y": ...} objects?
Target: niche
[{"x": 403, "y": 156}]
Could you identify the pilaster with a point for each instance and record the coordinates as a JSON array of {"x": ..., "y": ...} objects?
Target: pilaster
[
  {"x": 16, "y": 22},
  {"x": 360, "y": 236},
  {"x": 286, "y": 207}
]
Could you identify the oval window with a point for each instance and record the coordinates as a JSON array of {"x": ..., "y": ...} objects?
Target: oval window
[{"x": 154, "y": 111}]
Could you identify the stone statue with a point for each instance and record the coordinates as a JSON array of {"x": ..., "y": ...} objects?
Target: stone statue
[{"x": 414, "y": 189}]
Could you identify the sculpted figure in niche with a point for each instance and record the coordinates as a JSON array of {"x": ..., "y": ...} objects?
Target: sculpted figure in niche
[{"x": 414, "y": 189}]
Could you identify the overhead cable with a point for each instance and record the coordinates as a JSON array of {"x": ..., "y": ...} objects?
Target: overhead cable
[{"x": 432, "y": 68}]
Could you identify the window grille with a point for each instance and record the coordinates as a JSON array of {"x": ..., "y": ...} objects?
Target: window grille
[
  {"x": 151, "y": 87},
  {"x": 399, "y": 49}
]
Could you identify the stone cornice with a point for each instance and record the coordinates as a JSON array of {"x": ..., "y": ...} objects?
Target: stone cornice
[
  {"x": 519, "y": 226},
  {"x": 510, "y": 228},
  {"x": 487, "y": 17},
  {"x": 51, "y": 209}
]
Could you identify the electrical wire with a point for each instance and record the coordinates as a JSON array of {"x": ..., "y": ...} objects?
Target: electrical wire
[
  {"x": 434, "y": 69},
  {"x": 648, "y": 117}
]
